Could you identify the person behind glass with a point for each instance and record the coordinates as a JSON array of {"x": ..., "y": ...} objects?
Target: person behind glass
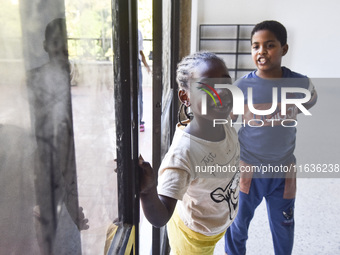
[
  {"x": 268, "y": 144},
  {"x": 50, "y": 108},
  {"x": 197, "y": 206},
  {"x": 141, "y": 58}
]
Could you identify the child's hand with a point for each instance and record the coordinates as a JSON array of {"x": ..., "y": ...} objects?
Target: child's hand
[
  {"x": 82, "y": 221},
  {"x": 148, "y": 180}
]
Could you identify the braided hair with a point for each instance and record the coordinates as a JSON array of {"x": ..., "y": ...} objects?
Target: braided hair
[
  {"x": 186, "y": 68},
  {"x": 185, "y": 71}
]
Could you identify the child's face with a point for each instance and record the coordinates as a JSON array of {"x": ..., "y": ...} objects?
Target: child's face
[
  {"x": 206, "y": 76},
  {"x": 267, "y": 53},
  {"x": 56, "y": 45}
]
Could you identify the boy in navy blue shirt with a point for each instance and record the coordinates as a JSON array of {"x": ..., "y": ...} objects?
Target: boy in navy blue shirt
[{"x": 267, "y": 140}]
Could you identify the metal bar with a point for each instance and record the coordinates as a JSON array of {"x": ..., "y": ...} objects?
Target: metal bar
[
  {"x": 223, "y": 39},
  {"x": 237, "y": 53},
  {"x": 157, "y": 67},
  {"x": 175, "y": 30},
  {"x": 134, "y": 87},
  {"x": 232, "y": 53},
  {"x": 125, "y": 38},
  {"x": 122, "y": 81},
  {"x": 200, "y": 37},
  {"x": 224, "y": 25}
]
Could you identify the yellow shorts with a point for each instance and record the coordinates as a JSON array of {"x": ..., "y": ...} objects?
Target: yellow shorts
[{"x": 183, "y": 240}]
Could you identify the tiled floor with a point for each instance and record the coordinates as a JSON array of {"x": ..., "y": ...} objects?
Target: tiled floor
[{"x": 95, "y": 154}]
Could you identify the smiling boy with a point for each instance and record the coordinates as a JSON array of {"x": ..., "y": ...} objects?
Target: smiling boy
[{"x": 268, "y": 145}]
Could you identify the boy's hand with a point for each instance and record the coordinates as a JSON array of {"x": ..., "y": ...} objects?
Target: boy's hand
[{"x": 148, "y": 179}]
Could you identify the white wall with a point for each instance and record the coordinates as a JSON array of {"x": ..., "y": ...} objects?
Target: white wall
[{"x": 313, "y": 28}]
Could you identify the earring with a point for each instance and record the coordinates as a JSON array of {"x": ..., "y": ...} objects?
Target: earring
[{"x": 189, "y": 115}]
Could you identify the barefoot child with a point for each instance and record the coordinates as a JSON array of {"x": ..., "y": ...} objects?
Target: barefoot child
[{"x": 197, "y": 205}]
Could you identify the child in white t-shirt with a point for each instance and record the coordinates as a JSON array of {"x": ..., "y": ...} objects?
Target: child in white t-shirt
[{"x": 200, "y": 170}]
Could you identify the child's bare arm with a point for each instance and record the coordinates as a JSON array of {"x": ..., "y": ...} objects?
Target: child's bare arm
[
  {"x": 144, "y": 61},
  {"x": 312, "y": 101},
  {"x": 157, "y": 209}
]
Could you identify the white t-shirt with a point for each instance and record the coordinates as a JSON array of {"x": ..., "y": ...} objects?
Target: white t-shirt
[{"x": 208, "y": 202}]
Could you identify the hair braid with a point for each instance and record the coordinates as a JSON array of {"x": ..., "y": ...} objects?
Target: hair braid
[{"x": 186, "y": 68}]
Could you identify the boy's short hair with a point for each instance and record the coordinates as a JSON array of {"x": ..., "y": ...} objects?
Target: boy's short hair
[
  {"x": 53, "y": 26},
  {"x": 273, "y": 26}
]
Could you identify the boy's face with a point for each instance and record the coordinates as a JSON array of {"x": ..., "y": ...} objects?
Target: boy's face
[
  {"x": 56, "y": 45},
  {"x": 267, "y": 52}
]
